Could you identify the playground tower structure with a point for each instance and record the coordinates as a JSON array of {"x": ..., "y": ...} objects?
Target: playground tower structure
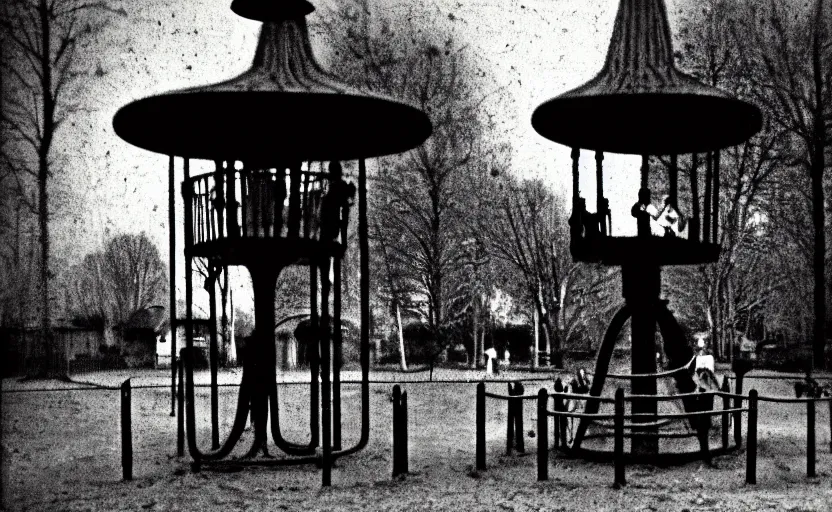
[
  {"x": 265, "y": 208},
  {"x": 640, "y": 104}
]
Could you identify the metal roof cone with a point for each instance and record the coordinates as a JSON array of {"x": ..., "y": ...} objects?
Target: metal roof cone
[
  {"x": 639, "y": 103},
  {"x": 271, "y": 10},
  {"x": 286, "y": 107}
]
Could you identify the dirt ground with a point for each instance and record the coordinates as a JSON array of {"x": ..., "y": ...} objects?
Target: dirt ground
[{"x": 61, "y": 451}]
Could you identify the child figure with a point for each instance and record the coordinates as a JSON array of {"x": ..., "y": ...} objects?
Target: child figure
[{"x": 671, "y": 220}]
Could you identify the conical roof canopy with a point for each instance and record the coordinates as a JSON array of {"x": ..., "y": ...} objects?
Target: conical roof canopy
[
  {"x": 284, "y": 108},
  {"x": 640, "y": 103}
]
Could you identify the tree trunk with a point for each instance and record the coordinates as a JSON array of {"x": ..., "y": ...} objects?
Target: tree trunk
[
  {"x": 473, "y": 361},
  {"x": 403, "y": 361},
  {"x": 536, "y": 322},
  {"x": 818, "y": 203},
  {"x": 43, "y": 198}
]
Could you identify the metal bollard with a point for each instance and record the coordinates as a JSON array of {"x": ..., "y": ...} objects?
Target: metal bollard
[
  {"x": 618, "y": 448},
  {"x": 404, "y": 446},
  {"x": 751, "y": 454},
  {"x": 738, "y": 422},
  {"x": 542, "y": 435},
  {"x": 510, "y": 412},
  {"x": 180, "y": 397},
  {"x": 126, "y": 432},
  {"x": 726, "y": 418},
  {"x": 397, "y": 441},
  {"x": 481, "y": 426},
  {"x": 558, "y": 408},
  {"x": 519, "y": 441}
]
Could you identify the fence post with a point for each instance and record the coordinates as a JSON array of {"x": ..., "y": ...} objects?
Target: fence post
[
  {"x": 397, "y": 397},
  {"x": 404, "y": 447},
  {"x": 510, "y": 407},
  {"x": 481, "y": 426},
  {"x": 738, "y": 422},
  {"x": 126, "y": 432},
  {"x": 542, "y": 435},
  {"x": 519, "y": 441},
  {"x": 556, "y": 422},
  {"x": 180, "y": 397},
  {"x": 726, "y": 404},
  {"x": 810, "y": 438},
  {"x": 618, "y": 448},
  {"x": 751, "y": 454}
]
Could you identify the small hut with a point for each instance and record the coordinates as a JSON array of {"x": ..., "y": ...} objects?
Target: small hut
[{"x": 140, "y": 333}]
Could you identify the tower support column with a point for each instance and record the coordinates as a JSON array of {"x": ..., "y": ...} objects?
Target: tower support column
[{"x": 641, "y": 289}]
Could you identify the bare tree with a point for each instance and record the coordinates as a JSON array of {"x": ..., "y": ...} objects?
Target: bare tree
[
  {"x": 747, "y": 278},
  {"x": 91, "y": 292},
  {"x": 135, "y": 272},
  {"x": 530, "y": 231},
  {"x": 41, "y": 40},
  {"x": 421, "y": 198},
  {"x": 789, "y": 52}
]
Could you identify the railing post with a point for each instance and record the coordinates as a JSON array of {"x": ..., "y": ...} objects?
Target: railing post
[
  {"x": 542, "y": 435},
  {"x": 404, "y": 447},
  {"x": 751, "y": 454},
  {"x": 558, "y": 408},
  {"x": 618, "y": 448},
  {"x": 726, "y": 404},
  {"x": 481, "y": 426},
  {"x": 180, "y": 394},
  {"x": 126, "y": 432},
  {"x": 810, "y": 438},
  {"x": 738, "y": 422},
  {"x": 519, "y": 441},
  {"x": 397, "y": 397},
  {"x": 510, "y": 407}
]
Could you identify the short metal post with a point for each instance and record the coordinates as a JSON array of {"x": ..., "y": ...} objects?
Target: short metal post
[
  {"x": 830, "y": 425},
  {"x": 519, "y": 441},
  {"x": 751, "y": 454},
  {"x": 738, "y": 422},
  {"x": 126, "y": 432},
  {"x": 180, "y": 417},
  {"x": 618, "y": 448},
  {"x": 542, "y": 435},
  {"x": 481, "y": 426},
  {"x": 397, "y": 397},
  {"x": 556, "y": 422},
  {"x": 404, "y": 447},
  {"x": 510, "y": 408},
  {"x": 726, "y": 404},
  {"x": 810, "y": 438}
]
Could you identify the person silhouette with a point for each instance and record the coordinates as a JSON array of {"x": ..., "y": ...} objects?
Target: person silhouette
[
  {"x": 336, "y": 203},
  {"x": 646, "y": 215}
]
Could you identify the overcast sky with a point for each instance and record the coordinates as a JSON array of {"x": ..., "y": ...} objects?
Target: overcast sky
[{"x": 537, "y": 49}]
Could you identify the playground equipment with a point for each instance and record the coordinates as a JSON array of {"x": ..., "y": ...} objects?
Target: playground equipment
[
  {"x": 265, "y": 207},
  {"x": 639, "y": 103}
]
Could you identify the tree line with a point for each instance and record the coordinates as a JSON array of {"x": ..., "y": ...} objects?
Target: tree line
[{"x": 454, "y": 221}]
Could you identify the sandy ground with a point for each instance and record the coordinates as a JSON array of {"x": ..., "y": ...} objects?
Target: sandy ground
[{"x": 61, "y": 451}]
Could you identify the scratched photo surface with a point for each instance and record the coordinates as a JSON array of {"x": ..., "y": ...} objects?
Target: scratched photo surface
[{"x": 291, "y": 255}]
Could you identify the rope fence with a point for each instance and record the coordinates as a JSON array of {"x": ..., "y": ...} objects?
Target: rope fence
[{"x": 623, "y": 425}]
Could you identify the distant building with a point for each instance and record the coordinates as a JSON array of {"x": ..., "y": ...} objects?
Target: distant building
[{"x": 140, "y": 334}]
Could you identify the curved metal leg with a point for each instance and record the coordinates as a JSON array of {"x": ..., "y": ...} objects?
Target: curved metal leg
[{"x": 602, "y": 365}]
